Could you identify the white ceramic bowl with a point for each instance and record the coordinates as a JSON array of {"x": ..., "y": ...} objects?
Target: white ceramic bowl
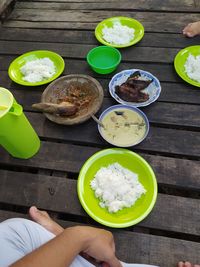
[{"x": 125, "y": 122}]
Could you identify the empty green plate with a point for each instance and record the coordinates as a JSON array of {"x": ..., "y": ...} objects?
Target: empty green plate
[
  {"x": 125, "y": 21},
  {"x": 16, "y": 75},
  {"x": 130, "y": 160},
  {"x": 180, "y": 60}
]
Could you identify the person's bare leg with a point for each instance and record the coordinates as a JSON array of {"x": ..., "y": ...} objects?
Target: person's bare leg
[
  {"x": 187, "y": 264},
  {"x": 45, "y": 220},
  {"x": 192, "y": 29}
]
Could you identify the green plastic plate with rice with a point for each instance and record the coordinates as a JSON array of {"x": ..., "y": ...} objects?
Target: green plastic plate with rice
[
  {"x": 119, "y": 28},
  {"x": 16, "y": 66},
  {"x": 182, "y": 58},
  {"x": 131, "y": 161}
]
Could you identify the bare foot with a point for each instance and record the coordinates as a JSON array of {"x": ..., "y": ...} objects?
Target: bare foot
[
  {"x": 187, "y": 264},
  {"x": 192, "y": 29},
  {"x": 45, "y": 220}
]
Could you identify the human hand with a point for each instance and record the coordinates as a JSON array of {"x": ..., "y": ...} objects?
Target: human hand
[{"x": 99, "y": 244}]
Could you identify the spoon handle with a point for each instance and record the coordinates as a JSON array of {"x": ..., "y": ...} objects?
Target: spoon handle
[{"x": 97, "y": 120}]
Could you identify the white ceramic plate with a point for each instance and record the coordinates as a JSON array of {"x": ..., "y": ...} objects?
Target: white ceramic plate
[{"x": 153, "y": 89}]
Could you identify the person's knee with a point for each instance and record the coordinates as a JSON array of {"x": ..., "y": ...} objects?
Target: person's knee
[{"x": 25, "y": 234}]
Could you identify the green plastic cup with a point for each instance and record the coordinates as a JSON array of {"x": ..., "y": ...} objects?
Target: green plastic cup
[
  {"x": 104, "y": 59},
  {"x": 16, "y": 133}
]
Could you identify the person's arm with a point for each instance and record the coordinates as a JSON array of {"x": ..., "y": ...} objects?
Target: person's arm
[{"x": 62, "y": 250}]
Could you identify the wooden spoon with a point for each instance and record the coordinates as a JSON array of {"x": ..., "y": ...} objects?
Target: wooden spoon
[{"x": 62, "y": 109}]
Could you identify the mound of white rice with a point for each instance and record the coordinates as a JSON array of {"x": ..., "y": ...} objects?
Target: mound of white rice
[
  {"x": 116, "y": 187},
  {"x": 118, "y": 34},
  {"x": 192, "y": 67},
  {"x": 38, "y": 70}
]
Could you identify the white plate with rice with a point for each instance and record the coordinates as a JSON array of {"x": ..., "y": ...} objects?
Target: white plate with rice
[{"x": 187, "y": 64}]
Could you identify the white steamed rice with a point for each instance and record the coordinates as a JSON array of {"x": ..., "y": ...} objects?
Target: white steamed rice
[
  {"x": 118, "y": 34},
  {"x": 192, "y": 67},
  {"x": 38, "y": 70},
  {"x": 116, "y": 187}
]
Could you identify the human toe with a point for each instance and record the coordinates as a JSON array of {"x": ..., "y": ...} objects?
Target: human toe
[
  {"x": 187, "y": 264},
  {"x": 38, "y": 215},
  {"x": 181, "y": 264}
]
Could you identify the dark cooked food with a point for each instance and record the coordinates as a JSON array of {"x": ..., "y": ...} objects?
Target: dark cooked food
[
  {"x": 74, "y": 100},
  {"x": 131, "y": 90},
  {"x": 62, "y": 109},
  {"x": 80, "y": 95}
]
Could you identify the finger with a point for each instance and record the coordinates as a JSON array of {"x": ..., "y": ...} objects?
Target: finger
[
  {"x": 181, "y": 264},
  {"x": 114, "y": 262},
  {"x": 188, "y": 264}
]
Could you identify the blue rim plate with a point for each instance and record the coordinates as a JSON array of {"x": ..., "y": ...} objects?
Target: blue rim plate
[
  {"x": 121, "y": 106},
  {"x": 16, "y": 75},
  {"x": 125, "y": 21},
  {"x": 180, "y": 60},
  {"x": 154, "y": 89}
]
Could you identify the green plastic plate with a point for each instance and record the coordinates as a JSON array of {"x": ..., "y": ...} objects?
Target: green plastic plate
[
  {"x": 180, "y": 60},
  {"x": 14, "y": 68},
  {"x": 127, "y": 216},
  {"x": 125, "y": 21}
]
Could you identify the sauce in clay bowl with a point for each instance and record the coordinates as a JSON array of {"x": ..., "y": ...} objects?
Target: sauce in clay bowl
[{"x": 124, "y": 126}]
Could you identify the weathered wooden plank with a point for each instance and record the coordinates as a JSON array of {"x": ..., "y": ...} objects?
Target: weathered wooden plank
[
  {"x": 87, "y": 37},
  {"x": 4, "y": 4},
  {"x": 183, "y": 115},
  {"x": 164, "y": 72},
  {"x": 143, "y": 248},
  {"x": 6, "y": 7},
  {"x": 197, "y": 3},
  {"x": 5, "y": 215},
  {"x": 159, "y": 140},
  {"x": 153, "y": 5},
  {"x": 136, "y": 54},
  {"x": 155, "y": 250},
  {"x": 69, "y": 1},
  {"x": 169, "y": 171},
  {"x": 171, "y": 92},
  {"x": 171, "y": 213},
  {"x": 69, "y": 19},
  {"x": 173, "y": 114}
]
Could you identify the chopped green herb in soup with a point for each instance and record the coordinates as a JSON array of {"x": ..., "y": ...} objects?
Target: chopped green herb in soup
[{"x": 123, "y": 127}]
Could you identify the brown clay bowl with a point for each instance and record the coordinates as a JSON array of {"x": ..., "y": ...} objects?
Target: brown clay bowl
[{"x": 82, "y": 90}]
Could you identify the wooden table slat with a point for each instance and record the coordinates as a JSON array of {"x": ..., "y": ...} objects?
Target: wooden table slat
[
  {"x": 152, "y": 5},
  {"x": 169, "y": 171},
  {"x": 59, "y": 194},
  {"x": 87, "y": 19}
]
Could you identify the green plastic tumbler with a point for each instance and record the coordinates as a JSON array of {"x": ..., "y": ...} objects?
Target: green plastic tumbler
[{"x": 16, "y": 133}]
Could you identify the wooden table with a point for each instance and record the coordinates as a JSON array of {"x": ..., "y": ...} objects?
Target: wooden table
[{"x": 171, "y": 232}]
